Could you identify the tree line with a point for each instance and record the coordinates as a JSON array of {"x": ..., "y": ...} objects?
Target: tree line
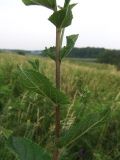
[{"x": 101, "y": 55}]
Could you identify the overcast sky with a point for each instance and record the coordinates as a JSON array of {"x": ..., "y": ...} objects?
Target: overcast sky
[{"x": 96, "y": 21}]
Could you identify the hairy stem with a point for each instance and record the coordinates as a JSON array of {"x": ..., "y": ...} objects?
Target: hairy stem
[
  {"x": 58, "y": 46},
  {"x": 57, "y": 108},
  {"x": 62, "y": 35}
]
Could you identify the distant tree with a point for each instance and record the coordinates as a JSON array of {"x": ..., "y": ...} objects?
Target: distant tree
[
  {"x": 83, "y": 52},
  {"x": 110, "y": 57},
  {"x": 20, "y": 52},
  {"x": 89, "y": 52}
]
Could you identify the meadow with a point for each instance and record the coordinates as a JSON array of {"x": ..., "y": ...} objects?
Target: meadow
[{"x": 93, "y": 115}]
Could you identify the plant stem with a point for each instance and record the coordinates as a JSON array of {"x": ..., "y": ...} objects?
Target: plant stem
[
  {"x": 62, "y": 35},
  {"x": 58, "y": 46},
  {"x": 57, "y": 108}
]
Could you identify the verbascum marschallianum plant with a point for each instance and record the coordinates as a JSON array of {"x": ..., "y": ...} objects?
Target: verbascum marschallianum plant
[{"x": 37, "y": 82}]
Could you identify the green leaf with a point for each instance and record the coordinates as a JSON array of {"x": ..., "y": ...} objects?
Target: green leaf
[
  {"x": 62, "y": 18},
  {"x": 28, "y": 2},
  {"x": 40, "y": 84},
  {"x": 70, "y": 44},
  {"x": 50, "y": 52},
  {"x": 73, "y": 5},
  {"x": 66, "y": 2},
  {"x": 51, "y": 4},
  {"x": 27, "y": 150}
]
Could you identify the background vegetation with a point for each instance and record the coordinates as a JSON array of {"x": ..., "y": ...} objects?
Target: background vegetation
[
  {"x": 100, "y": 55},
  {"x": 93, "y": 117}
]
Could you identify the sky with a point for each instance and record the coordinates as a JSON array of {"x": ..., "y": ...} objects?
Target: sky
[{"x": 96, "y": 21}]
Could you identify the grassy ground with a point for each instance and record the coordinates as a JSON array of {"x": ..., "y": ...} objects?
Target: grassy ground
[{"x": 92, "y": 118}]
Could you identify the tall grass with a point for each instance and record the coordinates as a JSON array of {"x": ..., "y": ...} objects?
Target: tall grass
[{"x": 93, "y": 116}]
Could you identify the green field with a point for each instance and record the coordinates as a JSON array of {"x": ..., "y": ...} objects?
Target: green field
[{"x": 93, "y": 114}]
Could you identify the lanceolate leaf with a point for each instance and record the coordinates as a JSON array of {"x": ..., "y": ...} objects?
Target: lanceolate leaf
[
  {"x": 27, "y": 150},
  {"x": 40, "y": 84},
  {"x": 62, "y": 18},
  {"x": 70, "y": 44},
  {"x": 51, "y": 4}
]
